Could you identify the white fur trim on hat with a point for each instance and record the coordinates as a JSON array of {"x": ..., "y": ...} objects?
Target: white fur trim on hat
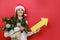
[{"x": 18, "y": 7}]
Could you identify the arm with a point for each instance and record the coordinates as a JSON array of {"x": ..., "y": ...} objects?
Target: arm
[
  {"x": 31, "y": 33},
  {"x": 16, "y": 29},
  {"x": 6, "y": 34}
]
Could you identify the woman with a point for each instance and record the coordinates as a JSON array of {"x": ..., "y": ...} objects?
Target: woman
[
  {"x": 20, "y": 10},
  {"x": 21, "y": 31}
]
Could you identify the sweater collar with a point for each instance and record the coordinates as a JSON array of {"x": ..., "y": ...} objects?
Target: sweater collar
[{"x": 20, "y": 18}]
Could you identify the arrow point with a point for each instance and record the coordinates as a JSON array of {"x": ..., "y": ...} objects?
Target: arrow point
[{"x": 45, "y": 21}]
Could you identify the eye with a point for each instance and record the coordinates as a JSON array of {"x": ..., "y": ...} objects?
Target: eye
[{"x": 22, "y": 10}]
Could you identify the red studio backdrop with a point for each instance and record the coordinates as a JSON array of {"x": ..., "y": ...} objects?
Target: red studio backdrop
[{"x": 35, "y": 10}]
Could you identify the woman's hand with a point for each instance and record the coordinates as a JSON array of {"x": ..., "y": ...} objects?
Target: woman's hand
[
  {"x": 37, "y": 30},
  {"x": 21, "y": 28}
]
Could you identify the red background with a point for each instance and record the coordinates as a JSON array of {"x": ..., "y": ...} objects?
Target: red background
[{"x": 35, "y": 9}]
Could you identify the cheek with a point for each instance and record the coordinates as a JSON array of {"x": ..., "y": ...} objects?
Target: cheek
[{"x": 22, "y": 12}]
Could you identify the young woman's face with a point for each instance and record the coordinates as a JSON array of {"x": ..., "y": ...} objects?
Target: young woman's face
[{"x": 20, "y": 12}]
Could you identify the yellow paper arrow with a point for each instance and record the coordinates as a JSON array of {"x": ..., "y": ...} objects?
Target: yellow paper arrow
[{"x": 44, "y": 21}]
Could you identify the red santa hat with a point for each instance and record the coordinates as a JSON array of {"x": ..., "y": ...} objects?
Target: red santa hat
[{"x": 20, "y": 7}]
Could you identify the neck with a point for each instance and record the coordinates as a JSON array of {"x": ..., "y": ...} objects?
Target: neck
[{"x": 20, "y": 17}]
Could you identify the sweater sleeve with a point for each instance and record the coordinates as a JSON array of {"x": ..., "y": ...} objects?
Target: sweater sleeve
[{"x": 31, "y": 33}]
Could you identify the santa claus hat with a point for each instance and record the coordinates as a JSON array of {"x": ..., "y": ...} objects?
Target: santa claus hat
[{"x": 20, "y": 7}]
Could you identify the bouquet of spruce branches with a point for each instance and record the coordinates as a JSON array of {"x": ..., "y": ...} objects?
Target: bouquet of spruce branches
[
  {"x": 9, "y": 24},
  {"x": 19, "y": 23}
]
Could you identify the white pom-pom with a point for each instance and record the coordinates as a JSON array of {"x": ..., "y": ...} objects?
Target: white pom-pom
[
  {"x": 18, "y": 24},
  {"x": 8, "y": 25},
  {"x": 25, "y": 14}
]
